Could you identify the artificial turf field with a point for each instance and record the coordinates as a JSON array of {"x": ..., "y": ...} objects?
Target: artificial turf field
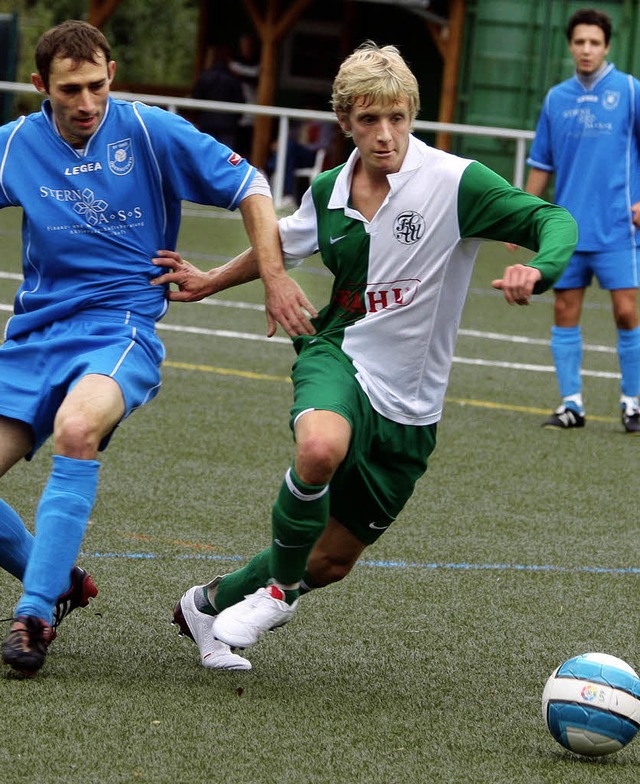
[{"x": 519, "y": 549}]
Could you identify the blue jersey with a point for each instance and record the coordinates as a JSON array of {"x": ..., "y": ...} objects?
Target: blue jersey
[
  {"x": 94, "y": 218},
  {"x": 590, "y": 138}
]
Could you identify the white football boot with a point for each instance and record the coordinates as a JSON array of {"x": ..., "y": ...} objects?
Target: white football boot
[
  {"x": 242, "y": 624},
  {"x": 214, "y": 654}
]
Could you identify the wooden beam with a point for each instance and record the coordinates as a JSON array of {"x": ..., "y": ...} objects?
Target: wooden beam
[
  {"x": 448, "y": 39},
  {"x": 288, "y": 19},
  {"x": 271, "y": 24},
  {"x": 101, "y": 10},
  {"x": 251, "y": 9}
]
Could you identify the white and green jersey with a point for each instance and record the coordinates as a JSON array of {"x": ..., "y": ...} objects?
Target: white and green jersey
[{"x": 401, "y": 279}]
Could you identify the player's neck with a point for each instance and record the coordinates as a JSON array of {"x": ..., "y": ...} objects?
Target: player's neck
[
  {"x": 588, "y": 80},
  {"x": 368, "y": 191}
]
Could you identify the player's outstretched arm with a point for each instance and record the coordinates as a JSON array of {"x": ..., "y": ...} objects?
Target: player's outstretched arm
[
  {"x": 285, "y": 302},
  {"x": 517, "y": 283},
  {"x": 194, "y": 284}
]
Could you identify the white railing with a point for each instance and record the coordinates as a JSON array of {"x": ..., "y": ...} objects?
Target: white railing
[{"x": 284, "y": 115}]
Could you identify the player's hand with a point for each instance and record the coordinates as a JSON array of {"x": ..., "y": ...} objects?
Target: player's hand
[
  {"x": 635, "y": 214},
  {"x": 286, "y": 304},
  {"x": 517, "y": 283},
  {"x": 193, "y": 284}
]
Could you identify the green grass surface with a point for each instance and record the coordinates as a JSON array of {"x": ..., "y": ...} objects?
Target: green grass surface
[{"x": 519, "y": 549}]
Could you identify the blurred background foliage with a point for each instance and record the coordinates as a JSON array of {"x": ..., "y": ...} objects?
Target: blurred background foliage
[{"x": 152, "y": 40}]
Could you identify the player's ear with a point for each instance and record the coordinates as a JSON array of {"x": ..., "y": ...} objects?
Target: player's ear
[
  {"x": 36, "y": 81},
  {"x": 111, "y": 70},
  {"x": 343, "y": 121}
]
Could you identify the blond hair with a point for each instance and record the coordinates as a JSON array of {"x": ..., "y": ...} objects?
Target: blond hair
[{"x": 379, "y": 75}]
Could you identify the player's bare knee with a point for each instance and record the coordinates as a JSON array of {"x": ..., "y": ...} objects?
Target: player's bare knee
[
  {"x": 626, "y": 318},
  {"x": 317, "y": 459},
  {"x": 75, "y": 435}
]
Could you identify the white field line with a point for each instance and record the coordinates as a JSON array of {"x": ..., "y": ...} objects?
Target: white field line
[{"x": 277, "y": 340}]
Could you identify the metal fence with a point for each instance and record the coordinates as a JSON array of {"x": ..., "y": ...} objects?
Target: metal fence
[{"x": 285, "y": 115}]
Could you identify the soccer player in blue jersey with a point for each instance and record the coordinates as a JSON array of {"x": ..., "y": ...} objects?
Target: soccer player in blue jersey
[
  {"x": 100, "y": 182},
  {"x": 588, "y": 136}
]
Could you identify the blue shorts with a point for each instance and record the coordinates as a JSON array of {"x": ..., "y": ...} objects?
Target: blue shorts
[
  {"x": 37, "y": 370},
  {"x": 616, "y": 269}
]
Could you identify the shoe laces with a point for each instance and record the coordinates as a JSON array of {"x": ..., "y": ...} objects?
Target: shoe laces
[
  {"x": 65, "y": 604},
  {"x": 30, "y": 634},
  {"x": 75, "y": 597}
]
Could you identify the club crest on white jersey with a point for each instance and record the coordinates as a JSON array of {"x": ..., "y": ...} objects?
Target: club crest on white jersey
[{"x": 408, "y": 227}]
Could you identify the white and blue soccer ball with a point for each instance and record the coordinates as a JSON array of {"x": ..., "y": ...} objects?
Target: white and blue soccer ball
[{"x": 591, "y": 704}]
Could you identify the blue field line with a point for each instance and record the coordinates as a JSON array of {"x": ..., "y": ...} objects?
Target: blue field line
[{"x": 471, "y": 567}]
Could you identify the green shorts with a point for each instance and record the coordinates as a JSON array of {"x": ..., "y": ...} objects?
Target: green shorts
[{"x": 385, "y": 459}]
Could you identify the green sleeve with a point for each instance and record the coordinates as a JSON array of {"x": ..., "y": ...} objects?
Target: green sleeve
[{"x": 490, "y": 208}]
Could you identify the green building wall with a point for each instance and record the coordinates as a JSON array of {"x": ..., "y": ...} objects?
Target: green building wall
[{"x": 513, "y": 52}]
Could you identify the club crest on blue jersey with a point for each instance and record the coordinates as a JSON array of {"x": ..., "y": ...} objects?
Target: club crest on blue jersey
[
  {"x": 610, "y": 99},
  {"x": 408, "y": 227},
  {"x": 120, "y": 157}
]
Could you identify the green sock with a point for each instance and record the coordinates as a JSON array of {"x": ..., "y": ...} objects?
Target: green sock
[
  {"x": 297, "y": 523},
  {"x": 235, "y": 586},
  {"x": 291, "y": 596},
  {"x": 299, "y": 516}
]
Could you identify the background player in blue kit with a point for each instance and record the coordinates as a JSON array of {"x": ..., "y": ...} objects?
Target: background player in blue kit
[
  {"x": 100, "y": 182},
  {"x": 588, "y": 135}
]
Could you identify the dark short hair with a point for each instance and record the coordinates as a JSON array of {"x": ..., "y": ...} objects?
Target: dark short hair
[
  {"x": 590, "y": 16},
  {"x": 72, "y": 39}
]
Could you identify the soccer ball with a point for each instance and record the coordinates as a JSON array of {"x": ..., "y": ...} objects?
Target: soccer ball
[{"x": 591, "y": 704}]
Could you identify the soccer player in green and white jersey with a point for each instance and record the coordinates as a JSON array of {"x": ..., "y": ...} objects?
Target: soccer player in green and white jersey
[{"x": 399, "y": 225}]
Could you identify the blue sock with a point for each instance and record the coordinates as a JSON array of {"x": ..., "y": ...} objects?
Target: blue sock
[
  {"x": 629, "y": 359},
  {"x": 61, "y": 520},
  {"x": 15, "y": 541},
  {"x": 566, "y": 347}
]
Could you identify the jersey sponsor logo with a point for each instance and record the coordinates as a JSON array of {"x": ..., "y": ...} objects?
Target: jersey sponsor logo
[
  {"x": 610, "y": 99},
  {"x": 333, "y": 240},
  {"x": 587, "y": 119},
  {"x": 376, "y": 296},
  {"x": 90, "y": 208},
  {"x": 234, "y": 159},
  {"x": 377, "y": 527},
  {"x": 398, "y": 294},
  {"x": 120, "y": 157},
  {"x": 349, "y": 301},
  {"x": 84, "y": 168},
  {"x": 408, "y": 227},
  {"x": 93, "y": 209},
  {"x": 84, "y": 201}
]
